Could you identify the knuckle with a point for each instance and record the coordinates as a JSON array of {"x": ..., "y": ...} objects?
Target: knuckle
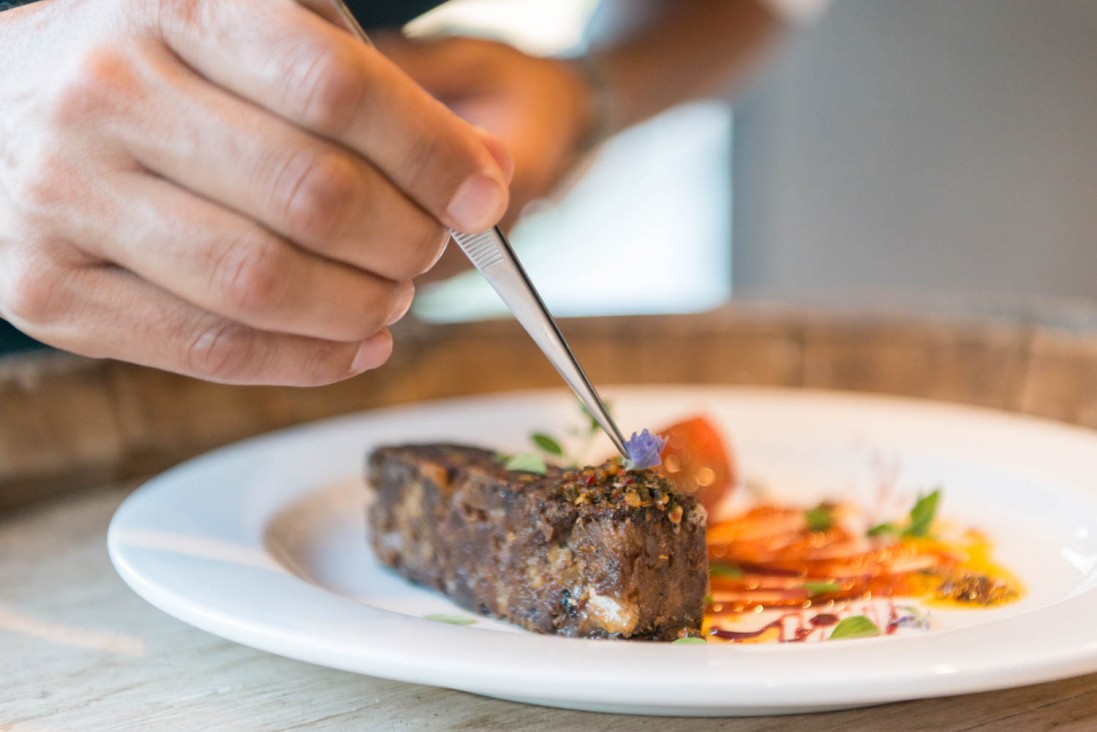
[
  {"x": 315, "y": 193},
  {"x": 251, "y": 272},
  {"x": 223, "y": 351},
  {"x": 322, "y": 87},
  {"x": 100, "y": 85},
  {"x": 35, "y": 291},
  {"x": 421, "y": 162}
]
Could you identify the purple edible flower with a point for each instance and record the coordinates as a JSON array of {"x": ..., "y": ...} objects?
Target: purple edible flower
[{"x": 643, "y": 450}]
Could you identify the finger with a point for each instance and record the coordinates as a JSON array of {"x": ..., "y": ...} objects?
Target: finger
[
  {"x": 312, "y": 192},
  {"x": 121, "y": 316},
  {"x": 445, "y": 67},
  {"x": 292, "y": 62},
  {"x": 225, "y": 264}
]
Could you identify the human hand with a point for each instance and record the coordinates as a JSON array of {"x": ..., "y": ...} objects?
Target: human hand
[
  {"x": 539, "y": 107},
  {"x": 235, "y": 190}
]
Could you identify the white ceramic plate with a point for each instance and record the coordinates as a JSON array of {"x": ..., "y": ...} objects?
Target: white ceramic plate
[{"x": 264, "y": 543}]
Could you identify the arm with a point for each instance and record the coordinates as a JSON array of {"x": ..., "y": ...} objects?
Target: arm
[{"x": 654, "y": 54}]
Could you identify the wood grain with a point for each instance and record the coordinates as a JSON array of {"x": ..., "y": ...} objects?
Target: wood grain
[{"x": 67, "y": 423}]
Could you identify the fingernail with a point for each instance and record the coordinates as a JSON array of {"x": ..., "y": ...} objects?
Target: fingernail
[
  {"x": 403, "y": 304},
  {"x": 478, "y": 204},
  {"x": 373, "y": 352}
]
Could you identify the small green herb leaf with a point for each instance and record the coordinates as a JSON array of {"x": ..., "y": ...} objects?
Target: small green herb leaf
[
  {"x": 451, "y": 619},
  {"x": 921, "y": 516},
  {"x": 819, "y": 518},
  {"x": 884, "y": 529},
  {"x": 527, "y": 462},
  {"x": 690, "y": 641},
  {"x": 733, "y": 571},
  {"x": 855, "y": 626},
  {"x": 546, "y": 443},
  {"x": 822, "y": 588}
]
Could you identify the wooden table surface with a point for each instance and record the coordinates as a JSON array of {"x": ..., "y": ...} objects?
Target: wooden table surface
[{"x": 79, "y": 650}]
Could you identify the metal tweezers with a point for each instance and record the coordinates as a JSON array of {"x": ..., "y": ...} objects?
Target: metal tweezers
[{"x": 491, "y": 253}]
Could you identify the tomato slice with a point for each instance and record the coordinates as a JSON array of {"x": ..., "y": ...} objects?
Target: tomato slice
[{"x": 698, "y": 461}]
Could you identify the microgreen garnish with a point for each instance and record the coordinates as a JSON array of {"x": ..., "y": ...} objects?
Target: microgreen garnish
[
  {"x": 690, "y": 641},
  {"x": 732, "y": 571},
  {"x": 919, "y": 520},
  {"x": 884, "y": 529},
  {"x": 921, "y": 516},
  {"x": 547, "y": 443},
  {"x": 643, "y": 450},
  {"x": 855, "y": 626},
  {"x": 451, "y": 619},
  {"x": 915, "y": 618},
  {"x": 819, "y": 518},
  {"x": 526, "y": 462},
  {"x": 821, "y": 588}
]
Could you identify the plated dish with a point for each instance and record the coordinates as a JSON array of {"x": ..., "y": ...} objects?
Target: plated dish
[{"x": 263, "y": 543}]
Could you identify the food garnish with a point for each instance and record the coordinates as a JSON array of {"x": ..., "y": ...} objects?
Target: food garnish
[
  {"x": 819, "y": 518},
  {"x": 698, "y": 461},
  {"x": 855, "y": 626},
  {"x": 644, "y": 450},
  {"x": 451, "y": 619},
  {"x": 798, "y": 577},
  {"x": 526, "y": 462}
]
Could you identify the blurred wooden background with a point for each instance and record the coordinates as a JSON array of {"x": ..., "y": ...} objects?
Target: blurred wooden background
[{"x": 68, "y": 422}]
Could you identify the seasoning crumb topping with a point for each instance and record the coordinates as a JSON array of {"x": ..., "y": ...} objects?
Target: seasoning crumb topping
[{"x": 610, "y": 483}]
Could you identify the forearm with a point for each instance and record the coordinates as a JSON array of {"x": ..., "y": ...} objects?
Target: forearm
[{"x": 653, "y": 54}]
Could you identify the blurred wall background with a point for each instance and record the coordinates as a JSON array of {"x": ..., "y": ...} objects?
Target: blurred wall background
[
  {"x": 895, "y": 147},
  {"x": 940, "y": 145}
]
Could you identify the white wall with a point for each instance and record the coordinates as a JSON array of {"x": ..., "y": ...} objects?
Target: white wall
[{"x": 923, "y": 144}]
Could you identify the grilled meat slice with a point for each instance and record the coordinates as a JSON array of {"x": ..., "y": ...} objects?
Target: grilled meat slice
[{"x": 596, "y": 553}]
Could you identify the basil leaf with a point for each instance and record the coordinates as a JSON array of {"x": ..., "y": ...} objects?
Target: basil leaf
[
  {"x": 451, "y": 619},
  {"x": 819, "y": 518},
  {"x": 855, "y": 626},
  {"x": 546, "y": 443},
  {"x": 527, "y": 462},
  {"x": 690, "y": 641},
  {"x": 821, "y": 588},
  {"x": 732, "y": 571},
  {"x": 921, "y": 516}
]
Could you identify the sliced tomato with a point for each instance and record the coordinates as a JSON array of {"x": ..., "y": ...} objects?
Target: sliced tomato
[{"x": 698, "y": 460}]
